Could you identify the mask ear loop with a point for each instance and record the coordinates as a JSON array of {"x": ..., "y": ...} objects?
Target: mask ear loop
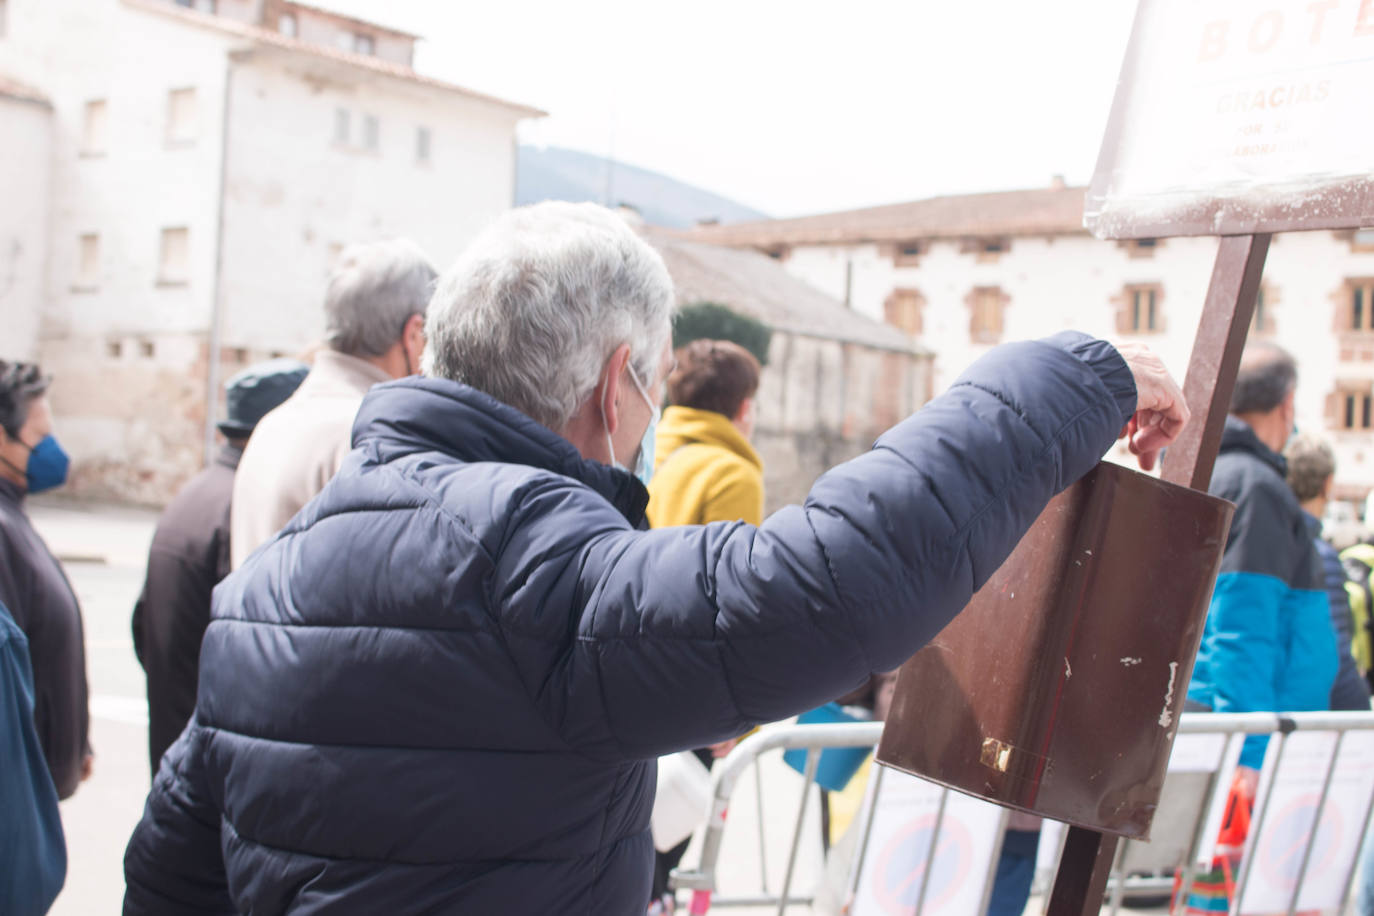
[{"x": 606, "y": 425}]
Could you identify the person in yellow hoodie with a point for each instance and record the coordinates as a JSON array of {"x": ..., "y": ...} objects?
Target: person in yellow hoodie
[{"x": 705, "y": 470}]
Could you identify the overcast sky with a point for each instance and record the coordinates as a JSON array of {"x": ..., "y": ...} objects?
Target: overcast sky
[{"x": 795, "y": 107}]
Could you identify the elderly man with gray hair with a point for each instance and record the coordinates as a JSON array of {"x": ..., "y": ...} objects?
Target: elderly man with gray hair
[
  {"x": 374, "y": 332},
  {"x": 443, "y": 688}
]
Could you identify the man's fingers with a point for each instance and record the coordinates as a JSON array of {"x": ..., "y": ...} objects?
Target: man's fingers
[{"x": 1154, "y": 438}]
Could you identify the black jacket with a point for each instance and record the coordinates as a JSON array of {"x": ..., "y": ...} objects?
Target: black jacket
[
  {"x": 188, "y": 558},
  {"x": 35, "y": 589}
]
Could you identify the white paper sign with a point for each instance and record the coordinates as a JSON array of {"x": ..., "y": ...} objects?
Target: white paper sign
[
  {"x": 1247, "y": 102},
  {"x": 1279, "y": 849},
  {"x": 906, "y": 820}
]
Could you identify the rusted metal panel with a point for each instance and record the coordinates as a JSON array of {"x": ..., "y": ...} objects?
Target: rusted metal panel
[{"x": 1057, "y": 691}]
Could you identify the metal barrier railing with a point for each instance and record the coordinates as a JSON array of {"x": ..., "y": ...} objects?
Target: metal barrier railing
[
  {"x": 813, "y": 738},
  {"x": 702, "y": 880}
]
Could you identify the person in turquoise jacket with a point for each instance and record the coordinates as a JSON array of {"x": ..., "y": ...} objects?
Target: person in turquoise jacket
[
  {"x": 33, "y": 850},
  {"x": 1268, "y": 645}
]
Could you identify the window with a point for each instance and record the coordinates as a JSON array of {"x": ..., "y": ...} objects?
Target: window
[
  {"x": 364, "y": 44},
  {"x": 1143, "y": 311},
  {"x": 181, "y": 117},
  {"x": 1361, "y": 306},
  {"x": 1139, "y": 310},
  {"x": 371, "y": 132},
  {"x": 1354, "y": 408},
  {"x": 204, "y": 6},
  {"x": 986, "y": 250},
  {"x": 903, "y": 310},
  {"x": 173, "y": 264},
  {"x": 1139, "y": 248},
  {"x": 93, "y": 128},
  {"x": 87, "y": 262},
  {"x": 986, "y": 305},
  {"x": 422, "y": 145},
  {"x": 907, "y": 254},
  {"x": 1263, "y": 321},
  {"x": 286, "y": 25},
  {"x": 342, "y": 125},
  {"x": 147, "y": 349}
]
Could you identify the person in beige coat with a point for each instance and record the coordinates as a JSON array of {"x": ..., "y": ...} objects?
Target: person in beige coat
[{"x": 374, "y": 332}]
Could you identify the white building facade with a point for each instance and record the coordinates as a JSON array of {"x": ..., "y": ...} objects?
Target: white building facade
[
  {"x": 962, "y": 274},
  {"x": 208, "y": 161}
]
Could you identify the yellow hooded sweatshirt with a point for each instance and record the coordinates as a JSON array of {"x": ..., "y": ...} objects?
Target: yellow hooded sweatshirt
[{"x": 704, "y": 471}]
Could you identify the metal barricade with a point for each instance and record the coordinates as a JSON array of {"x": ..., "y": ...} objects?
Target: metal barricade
[{"x": 702, "y": 880}]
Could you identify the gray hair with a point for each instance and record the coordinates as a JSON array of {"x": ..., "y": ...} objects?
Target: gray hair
[
  {"x": 537, "y": 303},
  {"x": 1310, "y": 465},
  {"x": 373, "y": 291},
  {"x": 1267, "y": 375}
]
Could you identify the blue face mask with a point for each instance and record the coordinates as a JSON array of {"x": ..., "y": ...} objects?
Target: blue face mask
[
  {"x": 644, "y": 458},
  {"x": 47, "y": 465}
]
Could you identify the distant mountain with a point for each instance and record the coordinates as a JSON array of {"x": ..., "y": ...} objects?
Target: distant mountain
[{"x": 551, "y": 173}]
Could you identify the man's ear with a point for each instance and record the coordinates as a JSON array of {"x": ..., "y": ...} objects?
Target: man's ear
[
  {"x": 609, "y": 389},
  {"x": 413, "y": 338}
]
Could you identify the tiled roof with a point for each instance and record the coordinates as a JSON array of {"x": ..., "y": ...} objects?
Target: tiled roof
[
  {"x": 340, "y": 17},
  {"x": 362, "y": 61},
  {"x": 754, "y": 284},
  {"x": 1046, "y": 211},
  {"x": 12, "y": 88}
]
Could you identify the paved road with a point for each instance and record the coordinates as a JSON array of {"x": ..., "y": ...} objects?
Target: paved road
[{"x": 104, "y": 551}]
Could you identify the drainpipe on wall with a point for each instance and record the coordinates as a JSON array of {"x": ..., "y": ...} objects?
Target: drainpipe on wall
[{"x": 217, "y": 302}]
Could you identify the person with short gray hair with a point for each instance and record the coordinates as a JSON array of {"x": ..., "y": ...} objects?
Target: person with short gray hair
[
  {"x": 597, "y": 285},
  {"x": 1311, "y": 474},
  {"x": 443, "y": 688},
  {"x": 374, "y": 332}
]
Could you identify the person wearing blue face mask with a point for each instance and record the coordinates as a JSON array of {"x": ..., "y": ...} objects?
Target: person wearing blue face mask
[{"x": 32, "y": 583}]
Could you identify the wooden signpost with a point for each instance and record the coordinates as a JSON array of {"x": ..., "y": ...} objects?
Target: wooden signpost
[{"x": 1238, "y": 120}]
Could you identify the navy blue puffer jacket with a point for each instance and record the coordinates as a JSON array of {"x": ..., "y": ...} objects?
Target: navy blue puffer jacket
[{"x": 442, "y": 688}]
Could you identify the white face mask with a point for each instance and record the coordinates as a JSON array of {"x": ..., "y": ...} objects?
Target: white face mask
[{"x": 644, "y": 458}]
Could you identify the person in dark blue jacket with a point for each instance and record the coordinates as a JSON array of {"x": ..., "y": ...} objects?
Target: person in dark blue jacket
[
  {"x": 33, "y": 850},
  {"x": 1311, "y": 472},
  {"x": 1268, "y": 644},
  {"x": 443, "y": 686}
]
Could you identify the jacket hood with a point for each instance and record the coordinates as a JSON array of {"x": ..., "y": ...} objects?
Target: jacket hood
[
  {"x": 682, "y": 426},
  {"x": 418, "y": 414},
  {"x": 1237, "y": 436}
]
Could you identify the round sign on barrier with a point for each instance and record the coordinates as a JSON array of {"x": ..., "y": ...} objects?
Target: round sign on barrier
[
  {"x": 1284, "y": 844},
  {"x": 900, "y": 866}
]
